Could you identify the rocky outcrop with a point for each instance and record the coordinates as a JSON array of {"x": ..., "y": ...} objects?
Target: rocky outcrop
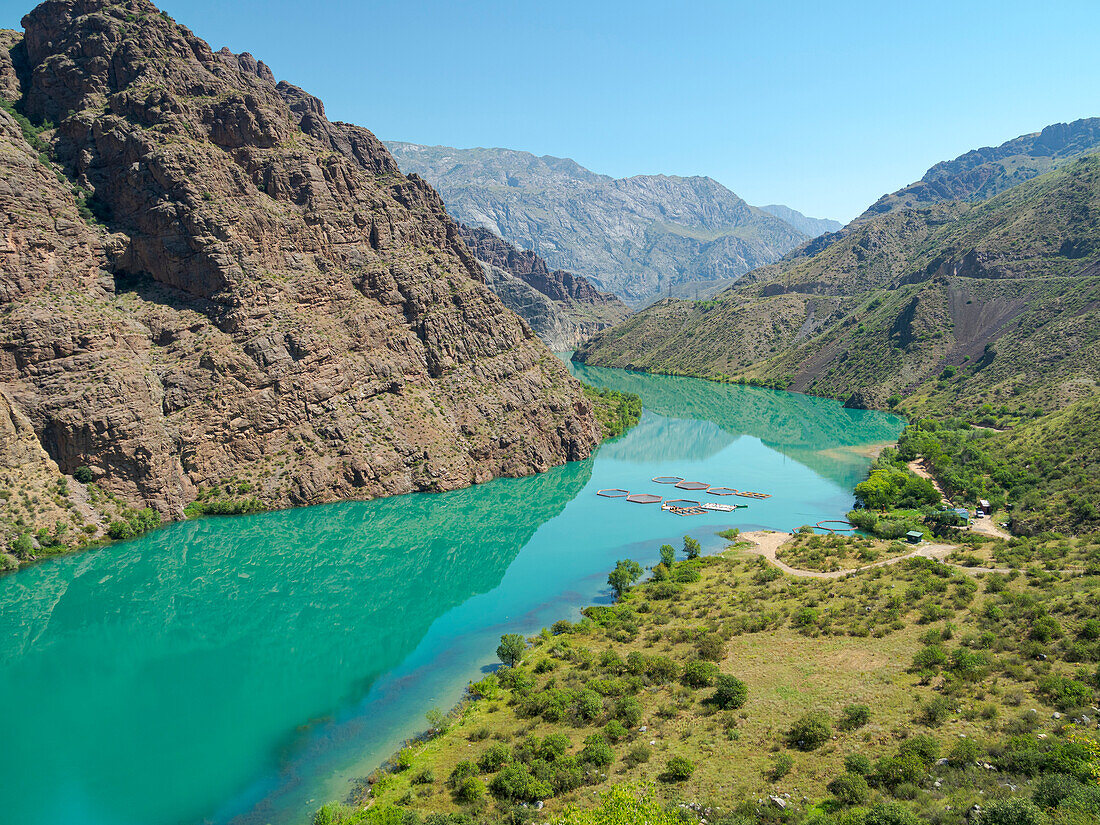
[
  {"x": 637, "y": 237},
  {"x": 562, "y": 308},
  {"x": 982, "y": 173},
  {"x": 212, "y": 286}
]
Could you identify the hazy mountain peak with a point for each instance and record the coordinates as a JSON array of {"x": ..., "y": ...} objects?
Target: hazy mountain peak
[
  {"x": 810, "y": 226},
  {"x": 634, "y": 236}
]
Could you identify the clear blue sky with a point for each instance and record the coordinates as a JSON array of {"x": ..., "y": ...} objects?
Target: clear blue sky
[{"x": 822, "y": 106}]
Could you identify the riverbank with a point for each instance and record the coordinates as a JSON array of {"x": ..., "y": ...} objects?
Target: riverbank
[
  {"x": 206, "y": 619},
  {"x": 634, "y": 693}
]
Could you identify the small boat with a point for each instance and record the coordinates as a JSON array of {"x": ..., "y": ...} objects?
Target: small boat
[{"x": 721, "y": 508}]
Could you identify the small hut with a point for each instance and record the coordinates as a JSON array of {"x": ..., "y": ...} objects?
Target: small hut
[
  {"x": 985, "y": 508},
  {"x": 914, "y": 536}
]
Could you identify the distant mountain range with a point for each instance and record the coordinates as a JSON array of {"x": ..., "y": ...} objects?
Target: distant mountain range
[
  {"x": 937, "y": 301},
  {"x": 638, "y": 237},
  {"x": 807, "y": 226}
]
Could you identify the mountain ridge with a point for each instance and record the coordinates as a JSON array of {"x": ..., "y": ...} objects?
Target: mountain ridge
[
  {"x": 632, "y": 236},
  {"x": 946, "y": 307}
]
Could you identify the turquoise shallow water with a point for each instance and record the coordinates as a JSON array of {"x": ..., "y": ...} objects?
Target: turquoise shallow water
[{"x": 246, "y": 669}]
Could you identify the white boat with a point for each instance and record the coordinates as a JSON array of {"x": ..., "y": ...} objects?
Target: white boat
[{"x": 721, "y": 508}]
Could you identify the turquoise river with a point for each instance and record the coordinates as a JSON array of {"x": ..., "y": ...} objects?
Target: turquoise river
[{"x": 246, "y": 669}]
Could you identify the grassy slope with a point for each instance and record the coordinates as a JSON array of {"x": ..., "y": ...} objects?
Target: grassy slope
[
  {"x": 1048, "y": 468},
  {"x": 799, "y": 645},
  {"x": 884, "y": 310}
]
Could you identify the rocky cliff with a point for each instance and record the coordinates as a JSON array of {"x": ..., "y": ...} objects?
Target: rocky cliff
[
  {"x": 208, "y": 288},
  {"x": 635, "y": 237},
  {"x": 562, "y": 308}
]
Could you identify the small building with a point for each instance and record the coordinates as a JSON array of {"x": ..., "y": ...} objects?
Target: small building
[
  {"x": 963, "y": 514},
  {"x": 985, "y": 508},
  {"x": 914, "y": 536}
]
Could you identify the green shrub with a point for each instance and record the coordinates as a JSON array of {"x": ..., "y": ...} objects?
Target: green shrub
[
  {"x": 668, "y": 555},
  {"x": 554, "y": 746},
  {"x": 561, "y": 626},
  {"x": 934, "y": 712},
  {"x": 854, "y": 717},
  {"x": 810, "y": 732},
  {"x": 699, "y": 674},
  {"x": 662, "y": 669},
  {"x": 515, "y": 782},
  {"x": 964, "y": 752},
  {"x": 664, "y": 590},
  {"x": 850, "y": 789},
  {"x": 711, "y": 647},
  {"x": 83, "y": 474},
  {"x": 730, "y": 692},
  {"x": 461, "y": 771},
  {"x": 932, "y": 657},
  {"x": 615, "y": 731},
  {"x": 470, "y": 790},
  {"x": 1064, "y": 692},
  {"x": 858, "y": 763},
  {"x": 678, "y": 769},
  {"x": 628, "y": 710},
  {"x": 495, "y": 757},
  {"x": 597, "y": 751},
  {"x": 589, "y": 705},
  {"x": 925, "y": 748},
  {"x": 1013, "y": 811}
]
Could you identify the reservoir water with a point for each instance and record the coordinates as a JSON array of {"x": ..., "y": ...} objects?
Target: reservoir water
[{"x": 247, "y": 669}]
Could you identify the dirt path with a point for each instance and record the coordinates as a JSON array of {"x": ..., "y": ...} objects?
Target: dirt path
[
  {"x": 917, "y": 466},
  {"x": 765, "y": 543},
  {"x": 986, "y": 526},
  {"x": 983, "y": 525}
]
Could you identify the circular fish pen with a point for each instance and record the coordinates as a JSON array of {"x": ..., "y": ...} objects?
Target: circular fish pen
[
  {"x": 667, "y": 480},
  {"x": 722, "y": 491},
  {"x": 847, "y": 528},
  {"x": 692, "y": 485},
  {"x": 643, "y": 498},
  {"x": 613, "y": 493}
]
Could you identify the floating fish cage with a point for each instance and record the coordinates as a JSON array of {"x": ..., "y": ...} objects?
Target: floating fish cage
[
  {"x": 692, "y": 485},
  {"x": 747, "y": 494},
  {"x": 643, "y": 498},
  {"x": 612, "y": 493},
  {"x": 667, "y": 480},
  {"x": 846, "y": 526},
  {"x": 721, "y": 491},
  {"x": 682, "y": 507}
]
